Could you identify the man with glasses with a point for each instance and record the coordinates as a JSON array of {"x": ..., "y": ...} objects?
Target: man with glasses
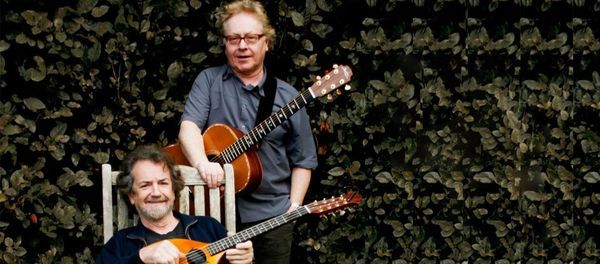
[{"x": 231, "y": 95}]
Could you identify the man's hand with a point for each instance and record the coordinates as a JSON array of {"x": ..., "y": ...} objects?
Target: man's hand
[
  {"x": 243, "y": 253},
  {"x": 211, "y": 172},
  {"x": 161, "y": 252}
]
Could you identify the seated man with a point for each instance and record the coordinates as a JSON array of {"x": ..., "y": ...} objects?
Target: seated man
[{"x": 150, "y": 181}]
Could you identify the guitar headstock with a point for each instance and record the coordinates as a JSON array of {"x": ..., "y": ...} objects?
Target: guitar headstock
[
  {"x": 334, "y": 204},
  {"x": 336, "y": 77}
]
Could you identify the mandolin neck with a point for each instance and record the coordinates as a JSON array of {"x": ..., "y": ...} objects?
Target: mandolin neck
[{"x": 246, "y": 234}]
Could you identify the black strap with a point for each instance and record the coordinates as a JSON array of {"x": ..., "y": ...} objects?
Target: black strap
[{"x": 265, "y": 106}]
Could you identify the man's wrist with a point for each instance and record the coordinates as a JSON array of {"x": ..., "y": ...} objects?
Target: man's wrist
[
  {"x": 295, "y": 205},
  {"x": 200, "y": 164}
]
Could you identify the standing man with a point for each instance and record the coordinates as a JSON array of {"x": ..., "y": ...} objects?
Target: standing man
[
  {"x": 230, "y": 94},
  {"x": 150, "y": 181}
]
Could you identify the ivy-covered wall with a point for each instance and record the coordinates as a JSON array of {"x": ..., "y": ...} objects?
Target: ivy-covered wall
[{"x": 471, "y": 128}]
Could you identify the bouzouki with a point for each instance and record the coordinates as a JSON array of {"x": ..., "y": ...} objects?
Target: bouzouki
[
  {"x": 199, "y": 252},
  {"x": 225, "y": 144}
]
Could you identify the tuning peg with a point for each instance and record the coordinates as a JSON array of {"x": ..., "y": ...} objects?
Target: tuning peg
[
  {"x": 338, "y": 92},
  {"x": 318, "y": 77},
  {"x": 329, "y": 98},
  {"x": 335, "y": 66},
  {"x": 342, "y": 212},
  {"x": 347, "y": 87}
]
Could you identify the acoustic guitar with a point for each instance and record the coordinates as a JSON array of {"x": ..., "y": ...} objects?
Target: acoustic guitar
[
  {"x": 225, "y": 144},
  {"x": 199, "y": 252}
]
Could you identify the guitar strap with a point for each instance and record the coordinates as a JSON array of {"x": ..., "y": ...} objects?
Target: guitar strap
[{"x": 265, "y": 106}]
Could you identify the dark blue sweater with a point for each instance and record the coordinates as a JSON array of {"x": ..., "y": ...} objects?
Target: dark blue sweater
[{"x": 125, "y": 245}]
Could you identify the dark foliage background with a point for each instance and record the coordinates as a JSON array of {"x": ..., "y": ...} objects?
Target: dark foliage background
[{"x": 471, "y": 129}]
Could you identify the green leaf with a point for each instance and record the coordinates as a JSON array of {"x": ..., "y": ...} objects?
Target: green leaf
[
  {"x": 94, "y": 52},
  {"x": 379, "y": 85},
  {"x": 60, "y": 36},
  {"x": 35, "y": 75},
  {"x": 348, "y": 44},
  {"x": 2, "y": 65},
  {"x": 160, "y": 94},
  {"x": 307, "y": 45},
  {"x": 535, "y": 196},
  {"x": 196, "y": 4},
  {"x": 323, "y": 5},
  {"x": 148, "y": 10},
  {"x": 10, "y": 130},
  {"x": 145, "y": 25},
  {"x": 31, "y": 17},
  {"x": 485, "y": 177},
  {"x": 99, "y": 11},
  {"x": 198, "y": 57},
  {"x": 321, "y": 29},
  {"x": 77, "y": 52},
  {"x": 535, "y": 85},
  {"x": 34, "y": 104},
  {"x": 85, "y": 6},
  {"x": 586, "y": 85},
  {"x": 174, "y": 70},
  {"x": 595, "y": 78},
  {"x": 337, "y": 171},
  {"x": 4, "y": 45},
  {"x": 592, "y": 177},
  {"x": 58, "y": 130},
  {"x": 102, "y": 27},
  {"x": 384, "y": 177},
  {"x": 432, "y": 177},
  {"x": 297, "y": 18}
]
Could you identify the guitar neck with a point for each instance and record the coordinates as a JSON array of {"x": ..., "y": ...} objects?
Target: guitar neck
[
  {"x": 246, "y": 234},
  {"x": 257, "y": 133}
]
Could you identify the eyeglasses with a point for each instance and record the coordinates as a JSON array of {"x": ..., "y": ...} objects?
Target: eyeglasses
[{"x": 248, "y": 38}]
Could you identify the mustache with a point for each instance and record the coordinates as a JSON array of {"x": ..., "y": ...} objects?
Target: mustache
[{"x": 154, "y": 199}]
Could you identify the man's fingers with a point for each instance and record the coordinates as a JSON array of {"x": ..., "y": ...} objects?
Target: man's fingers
[
  {"x": 211, "y": 173},
  {"x": 161, "y": 252}
]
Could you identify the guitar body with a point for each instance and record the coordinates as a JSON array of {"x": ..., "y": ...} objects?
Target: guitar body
[
  {"x": 188, "y": 247},
  {"x": 246, "y": 167}
]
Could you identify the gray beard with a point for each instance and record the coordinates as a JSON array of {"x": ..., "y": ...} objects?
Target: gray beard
[{"x": 155, "y": 212}]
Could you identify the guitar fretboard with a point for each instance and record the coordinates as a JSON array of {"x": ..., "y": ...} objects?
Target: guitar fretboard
[
  {"x": 263, "y": 128},
  {"x": 256, "y": 230}
]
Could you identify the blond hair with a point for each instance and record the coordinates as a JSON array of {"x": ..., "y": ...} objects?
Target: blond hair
[{"x": 253, "y": 7}]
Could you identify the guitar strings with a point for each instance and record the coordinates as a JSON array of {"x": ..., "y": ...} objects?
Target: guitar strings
[
  {"x": 222, "y": 244},
  {"x": 232, "y": 151},
  {"x": 225, "y": 243}
]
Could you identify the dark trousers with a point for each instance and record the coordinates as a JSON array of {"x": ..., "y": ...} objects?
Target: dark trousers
[{"x": 273, "y": 246}]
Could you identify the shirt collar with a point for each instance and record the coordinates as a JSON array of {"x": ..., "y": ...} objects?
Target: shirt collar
[{"x": 260, "y": 87}]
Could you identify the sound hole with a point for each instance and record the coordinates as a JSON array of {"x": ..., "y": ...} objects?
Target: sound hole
[
  {"x": 196, "y": 256},
  {"x": 215, "y": 158}
]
